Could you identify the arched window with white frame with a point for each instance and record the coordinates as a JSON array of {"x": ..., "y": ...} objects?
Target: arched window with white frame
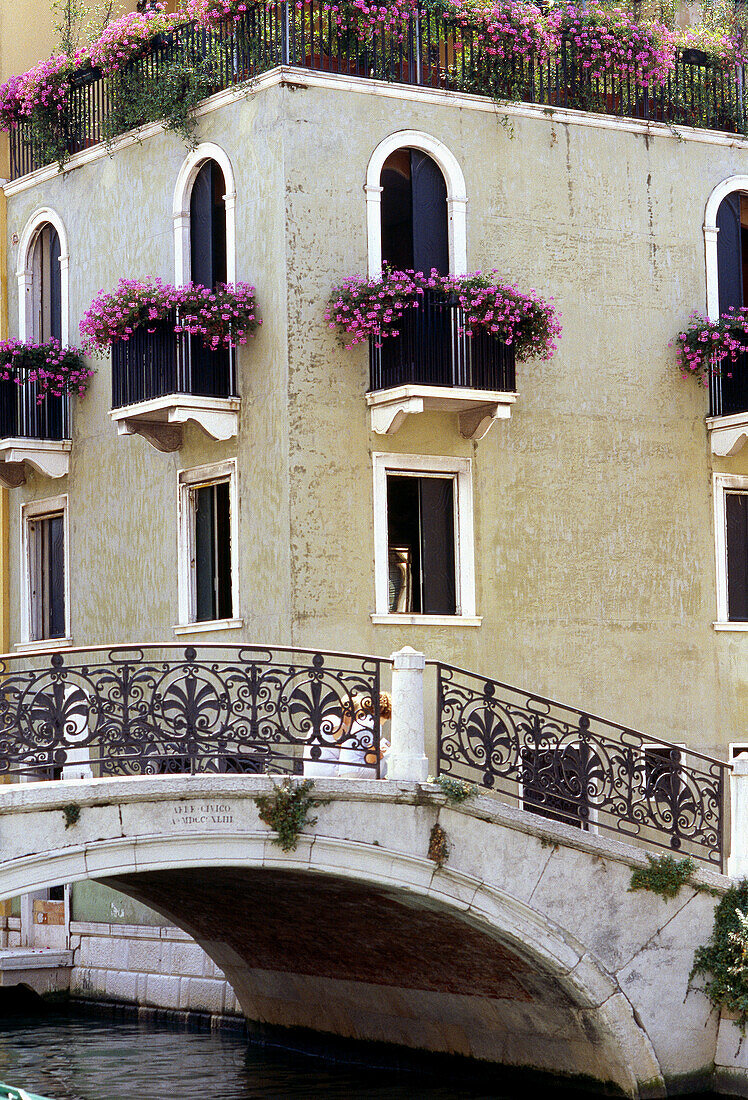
[
  {"x": 416, "y": 205},
  {"x": 204, "y": 218},
  {"x": 43, "y": 280}
]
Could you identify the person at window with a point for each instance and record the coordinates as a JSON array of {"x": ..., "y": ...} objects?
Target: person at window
[{"x": 354, "y": 755}]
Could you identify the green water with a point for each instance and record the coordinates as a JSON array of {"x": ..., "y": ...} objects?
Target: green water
[{"x": 68, "y": 1057}]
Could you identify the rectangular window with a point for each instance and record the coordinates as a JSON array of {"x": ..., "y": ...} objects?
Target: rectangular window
[
  {"x": 423, "y": 533},
  {"x": 731, "y": 536},
  {"x": 421, "y": 544},
  {"x": 44, "y": 535},
  {"x": 207, "y": 501}
]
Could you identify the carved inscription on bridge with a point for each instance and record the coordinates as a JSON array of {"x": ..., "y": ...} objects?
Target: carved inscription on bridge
[{"x": 204, "y": 814}]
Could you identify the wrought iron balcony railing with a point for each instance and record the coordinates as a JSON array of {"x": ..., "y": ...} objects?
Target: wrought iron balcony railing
[
  {"x": 23, "y": 417},
  {"x": 430, "y": 54},
  {"x": 728, "y": 392},
  {"x": 157, "y": 362},
  {"x": 579, "y": 769},
  {"x": 433, "y": 350}
]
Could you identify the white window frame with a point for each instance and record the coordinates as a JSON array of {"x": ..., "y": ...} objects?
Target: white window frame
[
  {"x": 724, "y": 483},
  {"x": 25, "y": 272},
  {"x": 456, "y": 196},
  {"x": 187, "y": 481},
  {"x": 36, "y": 510},
  {"x": 188, "y": 173},
  {"x": 460, "y": 469}
]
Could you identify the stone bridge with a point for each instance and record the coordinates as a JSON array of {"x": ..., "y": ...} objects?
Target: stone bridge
[{"x": 525, "y": 948}]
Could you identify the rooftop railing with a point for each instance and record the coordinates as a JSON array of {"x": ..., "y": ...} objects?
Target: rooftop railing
[
  {"x": 431, "y": 53},
  {"x": 156, "y": 361},
  {"x": 432, "y": 349}
]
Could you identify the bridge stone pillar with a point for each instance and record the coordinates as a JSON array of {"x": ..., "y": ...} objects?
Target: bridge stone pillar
[
  {"x": 737, "y": 864},
  {"x": 407, "y": 756}
]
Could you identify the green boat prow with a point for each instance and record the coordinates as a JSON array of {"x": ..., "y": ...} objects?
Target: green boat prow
[{"x": 9, "y": 1093}]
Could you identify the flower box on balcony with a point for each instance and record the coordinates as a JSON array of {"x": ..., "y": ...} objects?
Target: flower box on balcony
[
  {"x": 162, "y": 378},
  {"x": 433, "y": 363},
  {"x": 35, "y": 383}
]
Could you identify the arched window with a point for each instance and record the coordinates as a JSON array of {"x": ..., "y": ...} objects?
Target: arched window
[
  {"x": 204, "y": 212},
  {"x": 732, "y": 251},
  {"x": 208, "y": 226},
  {"x": 415, "y": 232},
  {"x": 45, "y": 320},
  {"x": 42, "y": 275}
]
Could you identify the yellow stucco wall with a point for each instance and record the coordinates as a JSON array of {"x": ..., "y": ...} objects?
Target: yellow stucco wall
[{"x": 594, "y": 534}]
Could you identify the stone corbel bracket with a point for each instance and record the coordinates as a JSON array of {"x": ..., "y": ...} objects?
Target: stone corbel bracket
[
  {"x": 727, "y": 434},
  {"x": 477, "y": 409},
  {"x": 49, "y": 457},
  {"x": 161, "y": 421}
]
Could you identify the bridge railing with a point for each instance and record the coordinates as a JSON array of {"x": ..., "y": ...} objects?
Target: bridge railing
[
  {"x": 574, "y": 767},
  {"x": 149, "y": 710}
]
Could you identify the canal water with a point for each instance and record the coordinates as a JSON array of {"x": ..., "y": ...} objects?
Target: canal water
[{"x": 76, "y": 1057}]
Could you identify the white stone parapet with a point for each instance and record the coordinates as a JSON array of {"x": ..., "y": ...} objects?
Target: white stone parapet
[
  {"x": 407, "y": 756},
  {"x": 737, "y": 864}
]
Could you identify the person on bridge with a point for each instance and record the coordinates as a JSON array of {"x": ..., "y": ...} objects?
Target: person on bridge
[{"x": 356, "y": 754}]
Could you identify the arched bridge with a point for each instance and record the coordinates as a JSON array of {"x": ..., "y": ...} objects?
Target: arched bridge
[{"x": 501, "y": 931}]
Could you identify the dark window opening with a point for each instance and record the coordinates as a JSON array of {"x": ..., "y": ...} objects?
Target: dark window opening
[
  {"x": 47, "y": 286},
  {"x": 212, "y": 563},
  {"x": 553, "y": 785},
  {"x": 208, "y": 226},
  {"x": 414, "y": 213},
  {"x": 662, "y": 775},
  {"x": 421, "y": 545},
  {"x": 736, "y": 507},
  {"x": 47, "y": 566}
]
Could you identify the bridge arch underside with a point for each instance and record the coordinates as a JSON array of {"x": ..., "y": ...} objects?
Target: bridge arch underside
[{"x": 380, "y": 963}]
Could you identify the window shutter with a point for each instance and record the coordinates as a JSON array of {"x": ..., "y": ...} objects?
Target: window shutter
[
  {"x": 438, "y": 545},
  {"x": 205, "y": 564},
  {"x": 736, "y": 505},
  {"x": 55, "y": 287},
  {"x": 729, "y": 258},
  {"x": 55, "y": 566},
  {"x": 208, "y": 226},
  {"x": 429, "y": 197}
]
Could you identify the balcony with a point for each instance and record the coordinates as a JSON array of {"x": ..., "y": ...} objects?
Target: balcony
[
  {"x": 434, "y": 365},
  {"x": 728, "y": 410},
  {"x": 32, "y": 434},
  {"x": 431, "y": 53},
  {"x": 161, "y": 379}
]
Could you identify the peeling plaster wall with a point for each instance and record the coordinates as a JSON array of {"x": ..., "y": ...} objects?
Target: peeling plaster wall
[{"x": 593, "y": 512}]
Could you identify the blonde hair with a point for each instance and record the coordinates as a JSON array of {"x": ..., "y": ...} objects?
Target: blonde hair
[{"x": 364, "y": 704}]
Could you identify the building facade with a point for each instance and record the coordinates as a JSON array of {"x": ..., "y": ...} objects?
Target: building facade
[{"x": 576, "y": 532}]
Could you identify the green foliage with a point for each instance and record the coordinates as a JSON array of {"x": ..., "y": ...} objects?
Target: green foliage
[
  {"x": 77, "y": 22},
  {"x": 287, "y": 811},
  {"x": 664, "y": 876},
  {"x": 723, "y": 962},
  {"x": 71, "y": 813},
  {"x": 184, "y": 78},
  {"x": 456, "y": 790}
]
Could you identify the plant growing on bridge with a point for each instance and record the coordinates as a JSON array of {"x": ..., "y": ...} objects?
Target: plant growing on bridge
[
  {"x": 439, "y": 846},
  {"x": 664, "y": 875},
  {"x": 723, "y": 962},
  {"x": 287, "y": 811},
  {"x": 71, "y": 813},
  {"x": 455, "y": 790}
]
